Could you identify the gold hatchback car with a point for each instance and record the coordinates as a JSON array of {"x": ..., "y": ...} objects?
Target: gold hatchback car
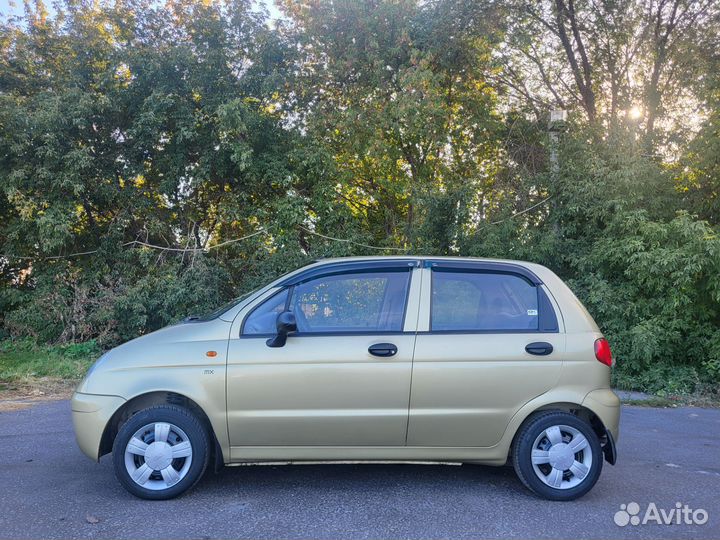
[{"x": 364, "y": 359}]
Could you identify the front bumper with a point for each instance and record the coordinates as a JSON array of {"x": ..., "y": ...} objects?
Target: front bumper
[{"x": 90, "y": 414}]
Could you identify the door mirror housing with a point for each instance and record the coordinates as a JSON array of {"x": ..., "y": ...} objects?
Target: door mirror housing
[{"x": 285, "y": 324}]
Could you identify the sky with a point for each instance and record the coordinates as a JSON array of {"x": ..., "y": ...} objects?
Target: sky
[
  {"x": 9, "y": 7},
  {"x": 15, "y": 7}
]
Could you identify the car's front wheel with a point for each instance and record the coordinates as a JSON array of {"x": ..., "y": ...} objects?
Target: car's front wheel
[
  {"x": 558, "y": 456},
  {"x": 161, "y": 452}
]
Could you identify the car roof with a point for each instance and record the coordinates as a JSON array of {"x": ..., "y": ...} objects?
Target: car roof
[
  {"x": 344, "y": 264},
  {"x": 416, "y": 258}
]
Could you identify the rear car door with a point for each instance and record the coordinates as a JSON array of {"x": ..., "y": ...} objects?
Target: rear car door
[
  {"x": 343, "y": 379},
  {"x": 488, "y": 342}
]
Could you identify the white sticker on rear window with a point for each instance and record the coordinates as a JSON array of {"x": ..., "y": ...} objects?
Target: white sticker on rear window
[{"x": 532, "y": 312}]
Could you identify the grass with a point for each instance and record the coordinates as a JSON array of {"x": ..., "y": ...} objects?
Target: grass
[
  {"x": 690, "y": 400},
  {"x": 22, "y": 361}
]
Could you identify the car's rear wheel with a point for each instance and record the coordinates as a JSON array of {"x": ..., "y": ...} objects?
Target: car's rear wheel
[
  {"x": 161, "y": 452},
  {"x": 557, "y": 456}
]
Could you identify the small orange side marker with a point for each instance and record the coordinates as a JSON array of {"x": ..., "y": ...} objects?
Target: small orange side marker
[{"x": 211, "y": 354}]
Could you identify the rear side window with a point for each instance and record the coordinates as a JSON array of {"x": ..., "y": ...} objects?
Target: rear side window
[{"x": 483, "y": 301}]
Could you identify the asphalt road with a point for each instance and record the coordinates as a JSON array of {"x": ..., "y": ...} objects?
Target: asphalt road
[{"x": 48, "y": 489}]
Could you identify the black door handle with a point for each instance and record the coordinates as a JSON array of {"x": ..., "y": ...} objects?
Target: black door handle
[
  {"x": 383, "y": 349},
  {"x": 540, "y": 348}
]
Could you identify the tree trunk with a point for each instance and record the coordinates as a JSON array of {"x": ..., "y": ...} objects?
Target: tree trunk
[{"x": 581, "y": 67}]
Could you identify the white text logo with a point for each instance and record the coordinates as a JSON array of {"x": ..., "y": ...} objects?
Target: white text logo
[{"x": 681, "y": 514}]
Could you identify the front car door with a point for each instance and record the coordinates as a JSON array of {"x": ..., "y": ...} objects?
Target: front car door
[
  {"x": 471, "y": 369},
  {"x": 333, "y": 383}
]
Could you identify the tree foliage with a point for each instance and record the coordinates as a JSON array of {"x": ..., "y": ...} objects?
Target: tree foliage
[{"x": 157, "y": 160}]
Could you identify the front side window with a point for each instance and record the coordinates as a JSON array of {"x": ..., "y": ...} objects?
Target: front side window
[
  {"x": 357, "y": 302},
  {"x": 482, "y": 301},
  {"x": 263, "y": 318}
]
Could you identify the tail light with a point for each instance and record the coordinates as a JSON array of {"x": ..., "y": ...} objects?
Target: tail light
[{"x": 602, "y": 351}]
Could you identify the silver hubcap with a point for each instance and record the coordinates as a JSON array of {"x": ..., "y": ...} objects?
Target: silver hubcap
[
  {"x": 561, "y": 457},
  {"x": 158, "y": 456}
]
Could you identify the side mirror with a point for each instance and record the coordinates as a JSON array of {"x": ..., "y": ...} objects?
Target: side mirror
[{"x": 285, "y": 324}]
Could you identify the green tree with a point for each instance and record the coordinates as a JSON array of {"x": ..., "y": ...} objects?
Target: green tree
[
  {"x": 397, "y": 94},
  {"x": 158, "y": 159}
]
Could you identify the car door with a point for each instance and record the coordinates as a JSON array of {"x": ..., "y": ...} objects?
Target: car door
[
  {"x": 343, "y": 378},
  {"x": 472, "y": 367}
]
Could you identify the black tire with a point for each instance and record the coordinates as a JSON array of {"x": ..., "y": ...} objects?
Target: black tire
[
  {"x": 523, "y": 447},
  {"x": 188, "y": 423}
]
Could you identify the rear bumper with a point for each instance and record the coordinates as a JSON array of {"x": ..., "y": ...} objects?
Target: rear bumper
[
  {"x": 606, "y": 405},
  {"x": 90, "y": 414}
]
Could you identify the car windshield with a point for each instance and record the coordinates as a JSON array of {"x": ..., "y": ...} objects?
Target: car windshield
[
  {"x": 225, "y": 307},
  {"x": 222, "y": 309}
]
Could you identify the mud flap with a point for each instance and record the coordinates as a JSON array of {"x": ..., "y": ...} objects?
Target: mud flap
[{"x": 609, "y": 449}]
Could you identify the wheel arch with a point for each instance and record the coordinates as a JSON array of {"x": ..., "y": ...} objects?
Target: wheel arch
[
  {"x": 579, "y": 410},
  {"x": 573, "y": 408},
  {"x": 154, "y": 398}
]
